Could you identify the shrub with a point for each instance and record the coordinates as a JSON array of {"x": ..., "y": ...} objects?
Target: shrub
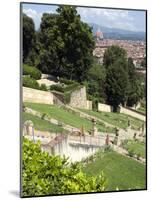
[
  {"x": 44, "y": 174},
  {"x": 30, "y": 82},
  {"x": 131, "y": 153},
  {"x": 32, "y": 71},
  {"x": 66, "y": 81},
  {"x": 71, "y": 87},
  {"x": 43, "y": 87},
  {"x": 58, "y": 88}
]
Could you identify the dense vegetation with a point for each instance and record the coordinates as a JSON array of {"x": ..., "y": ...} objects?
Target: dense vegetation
[
  {"x": 32, "y": 83},
  {"x": 32, "y": 71},
  {"x": 43, "y": 174}
]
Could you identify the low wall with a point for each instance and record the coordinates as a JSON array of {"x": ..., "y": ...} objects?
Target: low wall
[
  {"x": 37, "y": 96},
  {"x": 76, "y": 151},
  {"x": 104, "y": 107},
  {"x": 89, "y": 105},
  {"x": 78, "y": 98},
  {"x": 128, "y": 111}
]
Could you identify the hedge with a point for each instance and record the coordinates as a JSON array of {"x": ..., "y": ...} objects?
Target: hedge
[
  {"x": 32, "y": 83},
  {"x": 32, "y": 71}
]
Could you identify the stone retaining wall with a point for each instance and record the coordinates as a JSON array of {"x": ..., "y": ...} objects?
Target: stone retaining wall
[{"x": 37, "y": 96}]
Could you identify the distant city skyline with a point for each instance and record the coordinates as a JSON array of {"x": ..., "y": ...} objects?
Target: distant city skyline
[{"x": 132, "y": 20}]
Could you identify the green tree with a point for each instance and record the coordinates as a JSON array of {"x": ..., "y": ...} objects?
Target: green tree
[
  {"x": 112, "y": 54},
  {"x": 143, "y": 63},
  {"x": 67, "y": 44},
  {"x": 43, "y": 174},
  {"x": 135, "y": 87},
  {"x": 28, "y": 36},
  {"x": 96, "y": 83},
  {"x": 116, "y": 84}
]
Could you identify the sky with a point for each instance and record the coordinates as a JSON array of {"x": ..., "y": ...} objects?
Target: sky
[{"x": 123, "y": 19}]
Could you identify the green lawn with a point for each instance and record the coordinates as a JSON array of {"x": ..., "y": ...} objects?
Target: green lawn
[
  {"x": 41, "y": 124},
  {"x": 117, "y": 119},
  {"x": 135, "y": 146},
  {"x": 121, "y": 171},
  {"x": 66, "y": 117}
]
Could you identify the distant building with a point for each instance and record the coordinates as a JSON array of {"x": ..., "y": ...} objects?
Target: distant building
[{"x": 99, "y": 36}]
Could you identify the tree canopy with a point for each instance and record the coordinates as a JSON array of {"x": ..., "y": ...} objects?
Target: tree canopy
[
  {"x": 28, "y": 36},
  {"x": 122, "y": 83},
  {"x": 67, "y": 44}
]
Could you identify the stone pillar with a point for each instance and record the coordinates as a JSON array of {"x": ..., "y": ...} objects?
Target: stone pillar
[
  {"x": 94, "y": 128},
  {"x": 107, "y": 140},
  {"x": 116, "y": 136}
]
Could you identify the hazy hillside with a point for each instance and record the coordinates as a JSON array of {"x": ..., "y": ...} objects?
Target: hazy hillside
[{"x": 113, "y": 33}]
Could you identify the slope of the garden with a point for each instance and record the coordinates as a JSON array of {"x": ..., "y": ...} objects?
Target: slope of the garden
[{"x": 123, "y": 173}]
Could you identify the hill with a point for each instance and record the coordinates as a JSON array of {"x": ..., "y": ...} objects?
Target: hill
[{"x": 120, "y": 34}]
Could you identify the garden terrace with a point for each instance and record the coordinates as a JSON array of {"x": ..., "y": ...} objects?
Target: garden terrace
[
  {"x": 117, "y": 119},
  {"x": 66, "y": 117},
  {"x": 42, "y": 125}
]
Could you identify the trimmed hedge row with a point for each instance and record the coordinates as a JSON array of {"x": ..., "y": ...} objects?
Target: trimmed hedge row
[
  {"x": 32, "y": 71},
  {"x": 66, "y": 81},
  {"x": 68, "y": 88},
  {"x": 32, "y": 83}
]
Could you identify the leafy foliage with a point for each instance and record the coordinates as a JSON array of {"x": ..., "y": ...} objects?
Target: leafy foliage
[
  {"x": 47, "y": 175},
  {"x": 32, "y": 83},
  {"x": 67, "y": 44},
  {"x": 135, "y": 92},
  {"x": 28, "y": 36},
  {"x": 112, "y": 54},
  {"x": 116, "y": 84},
  {"x": 32, "y": 71},
  {"x": 95, "y": 83},
  {"x": 123, "y": 85}
]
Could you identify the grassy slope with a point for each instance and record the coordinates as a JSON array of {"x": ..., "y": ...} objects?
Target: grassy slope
[
  {"x": 121, "y": 172},
  {"x": 42, "y": 125},
  {"x": 137, "y": 147},
  {"x": 117, "y": 119},
  {"x": 65, "y": 116}
]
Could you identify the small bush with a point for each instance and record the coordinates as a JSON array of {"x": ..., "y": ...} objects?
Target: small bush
[
  {"x": 58, "y": 88},
  {"x": 66, "y": 81},
  {"x": 71, "y": 87},
  {"x": 43, "y": 87},
  {"x": 43, "y": 116},
  {"x": 32, "y": 71},
  {"x": 30, "y": 82},
  {"x": 131, "y": 153}
]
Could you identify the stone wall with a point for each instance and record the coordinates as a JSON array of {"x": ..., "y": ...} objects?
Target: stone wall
[
  {"x": 104, "y": 107},
  {"x": 37, "y": 96},
  {"x": 74, "y": 150},
  {"x": 89, "y": 105},
  {"x": 135, "y": 114},
  {"x": 78, "y": 98}
]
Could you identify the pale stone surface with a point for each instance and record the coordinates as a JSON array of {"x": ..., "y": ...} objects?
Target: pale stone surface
[
  {"x": 46, "y": 82},
  {"x": 78, "y": 98},
  {"x": 89, "y": 105},
  {"x": 132, "y": 113},
  {"x": 37, "y": 96},
  {"x": 104, "y": 107}
]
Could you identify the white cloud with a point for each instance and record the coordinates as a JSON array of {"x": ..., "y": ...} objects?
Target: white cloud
[{"x": 110, "y": 18}]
